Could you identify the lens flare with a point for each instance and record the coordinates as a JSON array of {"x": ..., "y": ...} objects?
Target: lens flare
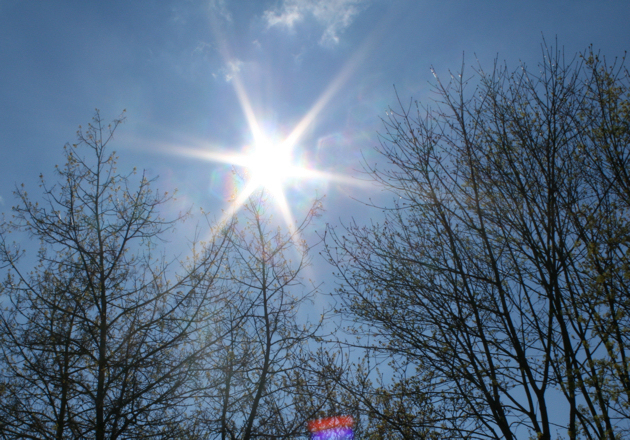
[{"x": 332, "y": 428}]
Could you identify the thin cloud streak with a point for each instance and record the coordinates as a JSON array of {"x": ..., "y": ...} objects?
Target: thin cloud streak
[{"x": 334, "y": 15}]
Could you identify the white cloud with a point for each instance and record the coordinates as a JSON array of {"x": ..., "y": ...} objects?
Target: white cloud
[
  {"x": 334, "y": 15},
  {"x": 287, "y": 16},
  {"x": 231, "y": 68}
]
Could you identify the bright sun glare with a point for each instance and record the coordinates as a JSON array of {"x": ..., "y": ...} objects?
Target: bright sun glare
[{"x": 270, "y": 165}]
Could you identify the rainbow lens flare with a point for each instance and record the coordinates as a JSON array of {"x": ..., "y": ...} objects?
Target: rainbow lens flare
[{"x": 332, "y": 428}]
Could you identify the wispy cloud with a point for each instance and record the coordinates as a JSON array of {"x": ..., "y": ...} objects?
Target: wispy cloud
[
  {"x": 230, "y": 69},
  {"x": 202, "y": 48},
  {"x": 334, "y": 15},
  {"x": 220, "y": 8}
]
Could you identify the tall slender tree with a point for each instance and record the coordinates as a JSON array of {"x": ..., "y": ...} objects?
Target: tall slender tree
[{"x": 264, "y": 369}]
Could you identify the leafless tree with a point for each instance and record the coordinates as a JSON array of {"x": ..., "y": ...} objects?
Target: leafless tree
[
  {"x": 99, "y": 336},
  {"x": 269, "y": 386},
  {"x": 500, "y": 274}
]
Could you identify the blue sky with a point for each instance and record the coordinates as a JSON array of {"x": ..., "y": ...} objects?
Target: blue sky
[{"x": 177, "y": 68}]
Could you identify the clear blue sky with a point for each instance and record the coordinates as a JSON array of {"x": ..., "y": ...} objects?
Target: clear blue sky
[{"x": 176, "y": 67}]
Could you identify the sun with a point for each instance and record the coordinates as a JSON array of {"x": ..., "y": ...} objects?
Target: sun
[{"x": 270, "y": 165}]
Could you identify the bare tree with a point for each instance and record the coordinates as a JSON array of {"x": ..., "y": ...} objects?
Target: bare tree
[
  {"x": 100, "y": 336},
  {"x": 500, "y": 274},
  {"x": 265, "y": 372}
]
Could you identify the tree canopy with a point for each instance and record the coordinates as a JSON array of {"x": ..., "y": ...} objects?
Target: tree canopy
[{"x": 497, "y": 283}]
